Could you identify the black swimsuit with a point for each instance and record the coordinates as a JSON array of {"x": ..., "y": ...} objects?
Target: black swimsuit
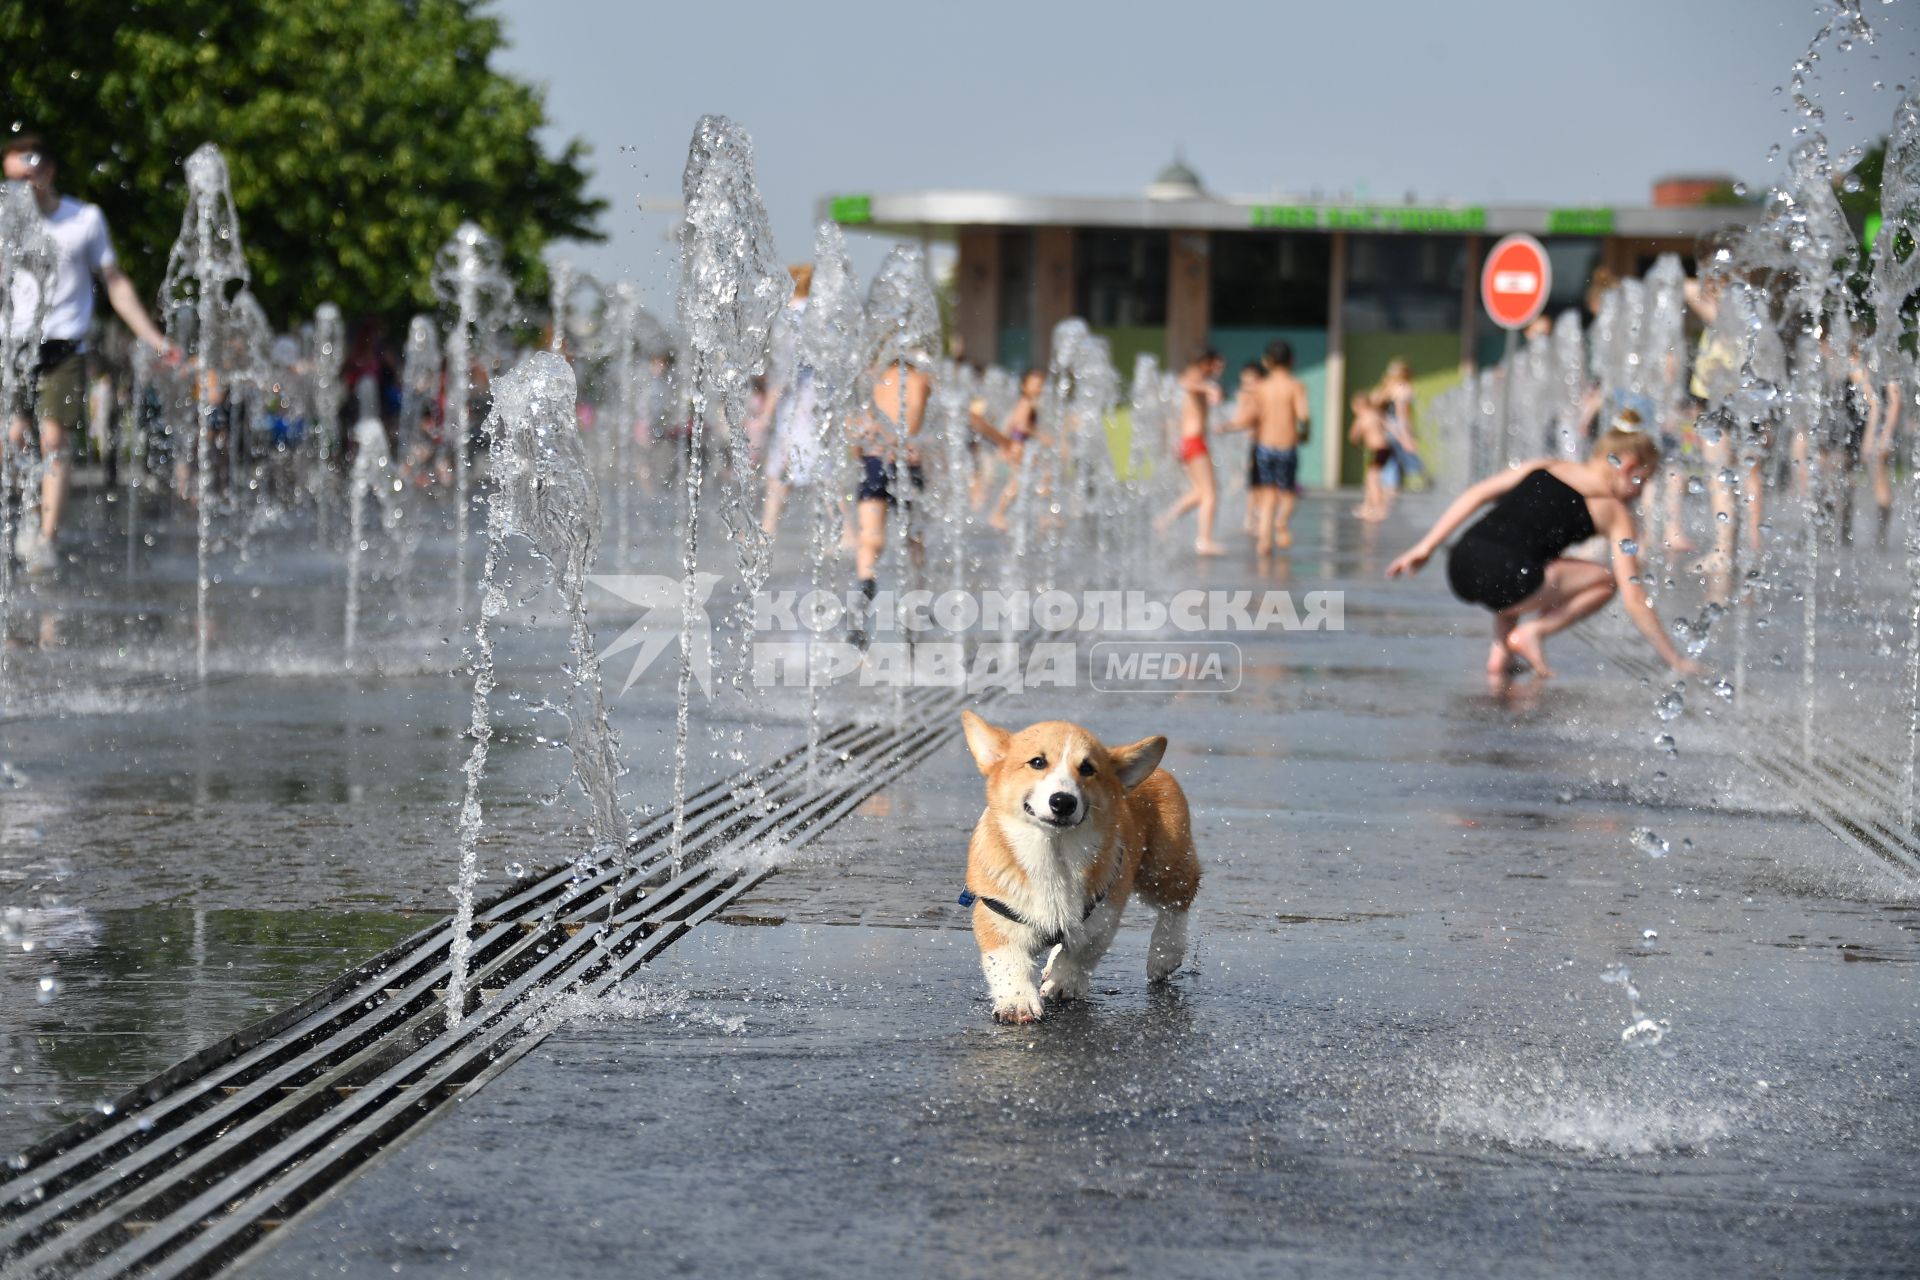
[{"x": 1503, "y": 559}]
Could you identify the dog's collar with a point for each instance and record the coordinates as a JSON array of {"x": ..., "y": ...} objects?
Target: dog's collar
[{"x": 968, "y": 897}]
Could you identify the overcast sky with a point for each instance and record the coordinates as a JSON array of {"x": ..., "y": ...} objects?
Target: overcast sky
[{"x": 1556, "y": 101}]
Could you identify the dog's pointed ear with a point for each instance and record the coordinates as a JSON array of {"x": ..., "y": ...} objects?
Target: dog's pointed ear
[
  {"x": 1136, "y": 761},
  {"x": 988, "y": 744}
]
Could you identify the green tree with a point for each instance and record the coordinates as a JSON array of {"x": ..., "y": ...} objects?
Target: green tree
[{"x": 359, "y": 134}]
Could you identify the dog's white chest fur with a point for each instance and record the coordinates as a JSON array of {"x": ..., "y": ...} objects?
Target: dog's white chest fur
[{"x": 1055, "y": 863}]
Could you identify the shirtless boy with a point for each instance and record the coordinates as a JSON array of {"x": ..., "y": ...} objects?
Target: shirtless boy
[
  {"x": 1199, "y": 394},
  {"x": 1279, "y": 418}
]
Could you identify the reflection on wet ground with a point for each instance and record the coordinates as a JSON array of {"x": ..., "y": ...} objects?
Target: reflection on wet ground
[{"x": 101, "y": 999}]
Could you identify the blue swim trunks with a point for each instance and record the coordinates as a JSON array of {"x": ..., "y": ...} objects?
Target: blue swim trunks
[{"x": 1276, "y": 468}]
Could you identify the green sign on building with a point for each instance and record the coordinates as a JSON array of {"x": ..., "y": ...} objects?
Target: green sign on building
[
  {"x": 851, "y": 209},
  {"x": 1596, "y": 221},
  {"x": 1368, "y": 217}
]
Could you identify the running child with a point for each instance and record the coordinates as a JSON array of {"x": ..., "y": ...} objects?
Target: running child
[{"x": 1200, "y": 394}]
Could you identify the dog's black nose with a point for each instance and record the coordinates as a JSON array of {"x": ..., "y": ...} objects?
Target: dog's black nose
[{"x": 1062, "y": 804}]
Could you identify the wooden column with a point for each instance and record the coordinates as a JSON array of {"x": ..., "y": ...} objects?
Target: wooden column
[
  {"x": 977, "y": 285},
  {"x": 1052, "y": 286},
  {"x": 1470, "y": 309},
  {"x": 1332, "y": 425},
  {"x": 1189, "y": 296}
]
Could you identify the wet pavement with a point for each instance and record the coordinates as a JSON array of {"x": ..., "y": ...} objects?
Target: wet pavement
[
  {"x": 1399, "y": 1048},
  {"x": 179, "y": 859}
]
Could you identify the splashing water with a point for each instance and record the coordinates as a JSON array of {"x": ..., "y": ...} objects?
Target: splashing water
[
  {"x": 828, "y": 348},
  {"x": 731, "y": 285},
  {"x": 1893, "y": 285},
  {"x": 543, "y": 493},
  {"x": 1641, "y": 1031},
  {"x": 27, "y": 262},
  {"x": 1650, "y": 842},
  {"x": 328, "y": 357},
  {"x": 1532, "y": 1100},
  {"x": 468, "y": 279},
  {"x": 630, "y": 339},
  {"x": 1569, "y": 361},
  {"x": 205, "y": 260},
  {"x": 371, "y": 463},
  {"x": 901, "y": 339},
  {"x": 419, "y": 380},
  {"x": 561, "y": 276}
]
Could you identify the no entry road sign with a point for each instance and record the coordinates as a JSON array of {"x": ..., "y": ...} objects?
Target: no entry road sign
[{"x": 1515, "y": 281}]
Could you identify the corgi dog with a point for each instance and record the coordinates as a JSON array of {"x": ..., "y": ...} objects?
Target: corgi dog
[{"x": 1071, "y": 829}]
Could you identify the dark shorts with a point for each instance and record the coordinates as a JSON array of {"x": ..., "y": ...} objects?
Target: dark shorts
[
  {"x": 1276, "y": 468},
  {"x": 1380, "y": 457},
  {"x": 1484, "y": 572},
  {"x": 876, "y": 480},
  {"x": 60, "y": 386}
]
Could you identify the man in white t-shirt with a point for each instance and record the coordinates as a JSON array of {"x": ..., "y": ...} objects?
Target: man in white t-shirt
[{"x": 79, "y": 233}]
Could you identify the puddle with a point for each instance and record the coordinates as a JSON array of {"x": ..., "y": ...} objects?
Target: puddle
[{"x": 94, "y": 1002}]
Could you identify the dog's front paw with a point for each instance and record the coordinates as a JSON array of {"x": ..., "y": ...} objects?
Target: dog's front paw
[
  {"x": 1064, "y": 982},
  {"x": 1023, "y": 1007}
]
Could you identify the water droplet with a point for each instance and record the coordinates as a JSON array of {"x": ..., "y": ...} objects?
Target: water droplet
[
  {"x": 49, "y": 988},
  {"x": 1644, "y": 1033},
  {"x": 1648, "y": 841},
  {"x": 1628, "y": 547},
  {"x": 1649, "y": 934},
  {"x": 1723, "y": 688},
  {"x": 1669, "y": 705}
]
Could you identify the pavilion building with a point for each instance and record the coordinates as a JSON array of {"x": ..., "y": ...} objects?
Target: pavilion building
[{"x": 1350, "y": 285}]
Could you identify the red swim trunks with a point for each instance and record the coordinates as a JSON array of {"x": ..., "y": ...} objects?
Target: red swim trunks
[{"x": 1193, "y": 447}]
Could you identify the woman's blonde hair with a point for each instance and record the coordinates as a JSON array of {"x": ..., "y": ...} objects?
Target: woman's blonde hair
[
  {"x": 1396, "y": 368},
  {"x": 1626, "y": 440}
]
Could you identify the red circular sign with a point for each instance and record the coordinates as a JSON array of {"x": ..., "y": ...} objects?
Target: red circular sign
[{"x": 1515, "y": 281}]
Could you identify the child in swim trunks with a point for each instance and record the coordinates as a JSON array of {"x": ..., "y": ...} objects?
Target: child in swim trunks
[
  {"x": 1513, "y": 560},
  {"x": 1200, "y": 393},
  {"x": 1279, "y": 417}
]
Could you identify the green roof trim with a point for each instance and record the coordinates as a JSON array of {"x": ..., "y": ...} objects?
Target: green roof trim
[
  {"x": 1368, "y": 217},
  {"x": 1596, "y": 221},
  {"x": 851, "y": 209}
]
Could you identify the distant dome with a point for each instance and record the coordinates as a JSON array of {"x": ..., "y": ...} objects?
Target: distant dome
[{"x": 1176, "y": 182}]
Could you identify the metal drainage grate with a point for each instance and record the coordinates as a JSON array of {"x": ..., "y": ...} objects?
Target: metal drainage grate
[{"x": 198, "y": 1166}]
